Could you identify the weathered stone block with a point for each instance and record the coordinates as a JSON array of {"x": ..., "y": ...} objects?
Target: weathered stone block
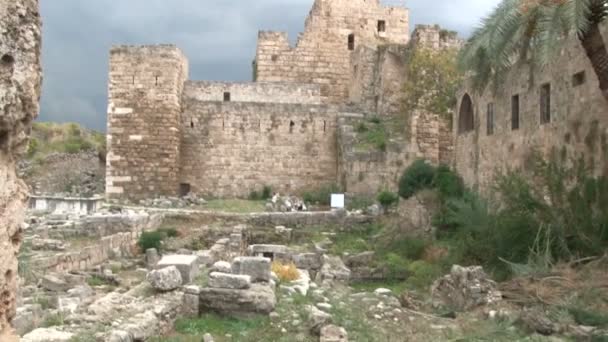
[
  {"x": 229, "y": 281},
  {"x": 256, "y": 267},
  {"x": 165, "y": 279},
  {"x": 257, "y": 299},
  {"x": 186, "y": 264}
]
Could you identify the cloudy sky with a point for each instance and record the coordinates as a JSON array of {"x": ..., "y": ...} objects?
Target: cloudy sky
[{"x": 218, "y": 36}]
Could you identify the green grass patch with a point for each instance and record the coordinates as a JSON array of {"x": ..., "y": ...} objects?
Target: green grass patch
[
  {"x": 589, "y": 318},
  {"x": 371, "y": 134},
  {"x": 219, "y": 326},
  {"x": 236, "y": 205}
]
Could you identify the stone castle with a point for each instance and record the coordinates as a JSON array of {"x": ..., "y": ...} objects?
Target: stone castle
[{"x": 291, "y": 128}]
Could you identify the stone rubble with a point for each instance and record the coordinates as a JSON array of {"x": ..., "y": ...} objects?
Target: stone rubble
[
  {"x": 165, "y": 279},
  {"x": 465, "y": 288}
]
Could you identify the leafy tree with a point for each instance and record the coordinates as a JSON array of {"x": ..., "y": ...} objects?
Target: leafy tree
[
  {"x": 433, "y": 78},
  {"x": 522, "y": 30}
]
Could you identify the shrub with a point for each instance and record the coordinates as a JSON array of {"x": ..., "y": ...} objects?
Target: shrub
[
  {"x": 387, "y": 199},
  {"x": 285, "y": 272},
  {"x": 322, "y": 195},
  {"x": 361, "y": 128},
  {"x": 254, "y": 196},
  {"x": 359, "y": 202},
  {"x": 448, "y": 183},
  {"x": 423, "y": 274},
  {"x": 32, "y": 147},
  {"x": 266, "y": 192},
  {"x": 375, "y": 120},
  {"x": 410, "y": 248},
  {"x": 396, "y": 265},
  {"x": 169, "y": 232},
  {"x": 418, "y": 176},
  {"x": 149, "y": 240}
]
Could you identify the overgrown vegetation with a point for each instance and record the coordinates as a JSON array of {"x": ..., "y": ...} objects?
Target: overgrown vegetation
[
  {"x": 235, "y": 205},
  {"x": 287, "y": 272},
  {"x": 372, "y": 133},
  {"x": 70, "y": 138},
  {"x": 322, "y": 195},
  {"x": 432, "y": 82},
  {"x": 558, "y": 213},
  {"x": 265, "y": 194},
  {"x": 387, "y": 199},
  {"x": 152, "y": 239}
]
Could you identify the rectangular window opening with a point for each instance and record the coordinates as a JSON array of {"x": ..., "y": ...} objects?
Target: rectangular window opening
[
  {"x": 579, "y": 79},
  {"x": 381, "y": 26},
  {"x": 545, "y": 103},
  {"x": 515, "y": 112},
  {"x": 490, "y": 119},
  {"x": 351, "y": 41},
  {"x": 184, "y": 189},
  {"x": 226, "y": 96}
]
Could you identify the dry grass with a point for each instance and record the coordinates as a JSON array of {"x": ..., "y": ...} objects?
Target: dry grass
[
  {"x": 565, "y": 285},
  {"x": 286, "y": 272}
]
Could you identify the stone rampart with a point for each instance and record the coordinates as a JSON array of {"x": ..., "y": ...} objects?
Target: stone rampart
[{"x": 230, "y": 149}]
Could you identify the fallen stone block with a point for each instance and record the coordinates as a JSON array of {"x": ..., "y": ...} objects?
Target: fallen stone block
[
  {"x": 256, "y": 267},
  {"x": 186, "y": 264},
  {"x": 258, "y": 299},
  {"x": 465, "y": 288},
  {"x": 221, "y": 266},
  {"x": 166, "y": 279},
  {"x": 332, "y": 333},
  {"x": 229, "y": 281},
  {"x": 54, "y": 283},
  {"x": 47, "y": 335}
]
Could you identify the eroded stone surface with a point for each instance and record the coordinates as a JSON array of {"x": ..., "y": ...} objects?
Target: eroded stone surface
[{"x": 20, "y": 78}]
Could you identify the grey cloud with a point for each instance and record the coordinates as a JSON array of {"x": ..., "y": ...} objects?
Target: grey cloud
[{"x": 218, "y": 36}]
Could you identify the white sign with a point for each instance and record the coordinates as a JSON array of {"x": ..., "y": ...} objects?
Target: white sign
[{"x": 337, "y": 201}]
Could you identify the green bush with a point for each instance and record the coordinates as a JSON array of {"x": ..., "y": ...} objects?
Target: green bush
[
  {"x": 396, "y": 265},
  {"x": 359, "y": 202},
  {"x": 423, "y": 274},
  {"x": 418, "y": 176},
  {"x": 149, "y": 240},
  {"x": 266, "y": 192},
  {"x": 254, "y": 196},
  {"x": 361, "y": 128},
  {"x": 321, "y": 196},
  {"x": 410, "y": 248},
  {"x": 169, "y": 232},
  {"x": 32, "y": 147},
  {"x": 557, "y": 214},
  {"x": 448, "y": 183},
  {"x": 387, "y": 199},
  {"x": 589, "y": 318}
]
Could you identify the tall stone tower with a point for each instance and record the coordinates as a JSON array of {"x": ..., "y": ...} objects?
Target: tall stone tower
[
  {"x": 144, "y": 112},
  {"x": 322, "y": 55}
]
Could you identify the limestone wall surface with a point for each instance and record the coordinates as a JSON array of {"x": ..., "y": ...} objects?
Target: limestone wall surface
[
  {"x": 253, "y": 92},
  {"x": 578, "y": 125},
  {"x": 20, "y": 75},
  {"x": 322, "y": 53},
  {"x": 230, "y": 149},
  {"x": 145, "y": 91}
]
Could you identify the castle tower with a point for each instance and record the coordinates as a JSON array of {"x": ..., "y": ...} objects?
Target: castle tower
[{"x": 145, "y": 91}]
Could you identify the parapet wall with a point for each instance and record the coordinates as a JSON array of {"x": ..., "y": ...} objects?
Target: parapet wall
[
  {"x": 253, "y": 92},
  {"x": 230, "y": 149},
  {"x": 144, "y": 111},
  {"x": 578, "y": 123},
  {"x": 322, "y": 54}
]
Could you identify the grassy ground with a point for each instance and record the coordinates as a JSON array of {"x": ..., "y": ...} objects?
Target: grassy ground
[{"x": 235, "y": 206}]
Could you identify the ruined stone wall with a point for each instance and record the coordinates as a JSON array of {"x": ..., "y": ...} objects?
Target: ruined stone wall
[
  {"x": 368, "y": 170},
  {"x": 321, "y": 55},
  {"x": 20, "y": 75},
  {"x": 144, "y": 112},
  {"x": 436, "y": 38},
  {"x": 377, "y": 78},
  {"x": 230, "y": 148},
  {"x": 254, "y": 92},
  {"x": 579, "y": 120}
]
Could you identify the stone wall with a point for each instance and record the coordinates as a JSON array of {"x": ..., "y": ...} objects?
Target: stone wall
[
  {"x": 144, "y": 112},
  {"x": 230, "y": 149},
  {"x": 253, "y": 92},
  {"x": 377, "y": 77},
  {"x": 366, "y": 171},
  {"x": 578, "y": 125},
  {"x": 322, "y": 55},
  {"x": 20, "y": 75}
]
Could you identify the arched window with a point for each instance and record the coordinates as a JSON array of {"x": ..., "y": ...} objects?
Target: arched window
[{"x": 466, "y": 118}]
